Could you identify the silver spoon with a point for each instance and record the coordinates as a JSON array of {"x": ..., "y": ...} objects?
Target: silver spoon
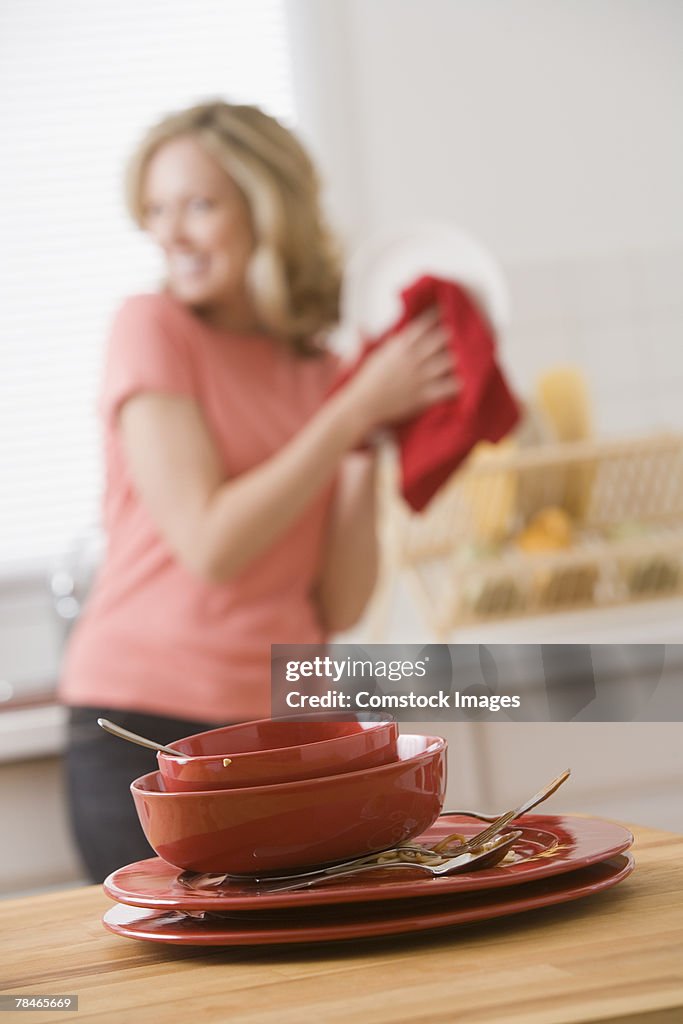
[{"x": 142, "y": 741}]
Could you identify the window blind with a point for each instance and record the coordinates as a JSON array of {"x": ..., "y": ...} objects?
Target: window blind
[{"x": 80, "y": 82}]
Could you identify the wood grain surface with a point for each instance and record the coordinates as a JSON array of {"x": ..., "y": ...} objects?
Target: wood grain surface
[{"x": 616, "y": 956}]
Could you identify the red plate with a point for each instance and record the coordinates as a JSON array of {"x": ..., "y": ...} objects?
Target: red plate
[
  {"x": 549, "y": 845},
  {"x": 329, "y": 924}
]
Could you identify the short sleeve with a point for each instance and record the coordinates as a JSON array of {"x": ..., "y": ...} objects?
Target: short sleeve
[{"x": 148, "y": 351}]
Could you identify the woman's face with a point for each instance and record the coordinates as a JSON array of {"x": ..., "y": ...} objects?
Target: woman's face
[{"x": 197, "y": 215}]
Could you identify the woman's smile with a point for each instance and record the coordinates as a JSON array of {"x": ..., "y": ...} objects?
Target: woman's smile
[
  {"x": 190, "y": 266},
  {"x": 199, "y": 218}
]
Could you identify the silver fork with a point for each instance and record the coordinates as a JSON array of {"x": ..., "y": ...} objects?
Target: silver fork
[
  {"x": 497, "y": 848},
  {"x": 533, "y": 801}
]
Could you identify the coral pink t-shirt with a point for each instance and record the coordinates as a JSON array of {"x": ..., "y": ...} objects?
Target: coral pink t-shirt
[{"x": 154, "y": 637}]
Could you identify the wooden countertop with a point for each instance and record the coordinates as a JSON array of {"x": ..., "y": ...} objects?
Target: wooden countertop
[{"x": 616, "y": 956}]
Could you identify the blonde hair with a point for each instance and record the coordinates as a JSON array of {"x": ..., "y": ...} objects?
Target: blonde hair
[{"x": 293, "y": 275}]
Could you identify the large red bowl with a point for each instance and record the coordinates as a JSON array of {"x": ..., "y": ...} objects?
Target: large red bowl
[
  {"x": 296, "y": 824},
  {"x": 269, "y": 751}
]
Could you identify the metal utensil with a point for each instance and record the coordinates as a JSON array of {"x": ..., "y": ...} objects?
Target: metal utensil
[
  {"x": 533, "y": 801},
  {"x": 465, "y": 861},
  {"x": 142, "y": 741}
]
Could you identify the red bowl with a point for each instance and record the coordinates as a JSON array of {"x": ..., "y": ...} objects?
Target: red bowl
[
  {"x": 296, "y": 824},
  {"x": 269, "y": 752}
]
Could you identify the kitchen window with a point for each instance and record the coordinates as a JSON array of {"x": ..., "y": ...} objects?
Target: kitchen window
[{"x": 81, "y": 82}]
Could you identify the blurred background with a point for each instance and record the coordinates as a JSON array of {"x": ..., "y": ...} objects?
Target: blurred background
[{"x": 548, "y": 131}]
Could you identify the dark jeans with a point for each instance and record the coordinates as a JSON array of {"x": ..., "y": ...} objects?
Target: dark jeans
[{"x": 99, "y": 771}]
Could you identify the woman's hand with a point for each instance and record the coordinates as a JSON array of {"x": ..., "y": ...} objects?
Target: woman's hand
[{"x": 410, "y": 371}]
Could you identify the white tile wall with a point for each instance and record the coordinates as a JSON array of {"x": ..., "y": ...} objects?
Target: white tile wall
[{"x": 620, "y": 318}]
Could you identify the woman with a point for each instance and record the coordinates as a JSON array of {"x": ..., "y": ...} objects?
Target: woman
[{"x": 239, "y": 512}]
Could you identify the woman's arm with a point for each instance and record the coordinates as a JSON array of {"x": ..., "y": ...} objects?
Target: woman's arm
[
  {"x": 350, "y": 562},
  {"x": 218, "y": 526}
]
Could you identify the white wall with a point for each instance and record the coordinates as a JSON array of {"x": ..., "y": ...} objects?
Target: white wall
[
  {"x": 37, "y": 848},
  {"x": 547, "y": 128}
]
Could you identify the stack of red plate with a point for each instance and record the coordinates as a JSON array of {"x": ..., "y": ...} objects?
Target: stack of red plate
[{"x": 556, "y": 859}]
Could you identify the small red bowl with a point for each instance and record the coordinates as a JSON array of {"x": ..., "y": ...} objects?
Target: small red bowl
[
  {"x": 270, "y": 751},
  {"x": 254, "y": 831}
]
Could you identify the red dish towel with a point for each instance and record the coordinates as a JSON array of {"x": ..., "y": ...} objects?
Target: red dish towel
[{"x": 434, "y": 443}]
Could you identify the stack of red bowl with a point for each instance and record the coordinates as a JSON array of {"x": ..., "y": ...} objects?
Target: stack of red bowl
[{"x": 294, "y": 794}]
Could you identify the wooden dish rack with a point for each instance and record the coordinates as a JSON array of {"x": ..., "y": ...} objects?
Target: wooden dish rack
[{"x": 624, "y": 503}]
